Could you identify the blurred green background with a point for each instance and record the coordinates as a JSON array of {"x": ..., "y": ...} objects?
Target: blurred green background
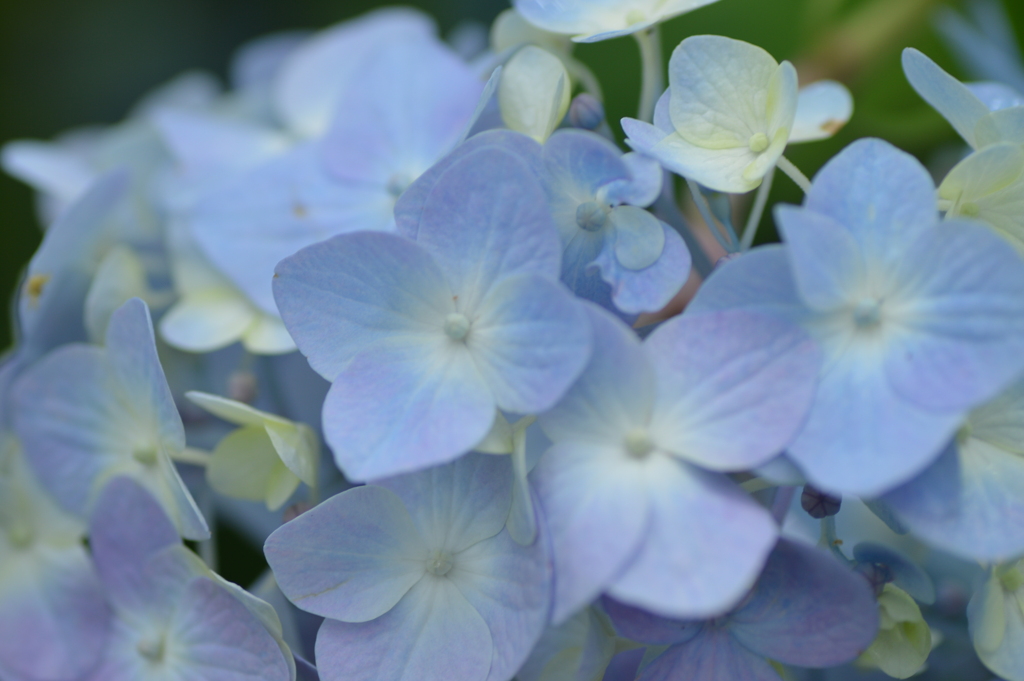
[{"x": 66, "y": 63}]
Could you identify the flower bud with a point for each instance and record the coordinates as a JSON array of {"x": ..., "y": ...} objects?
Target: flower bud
[
  {"x": 586, "y": 112},
  {"x": 818, "y": 504},
  {"x": 534, "y": 93}
]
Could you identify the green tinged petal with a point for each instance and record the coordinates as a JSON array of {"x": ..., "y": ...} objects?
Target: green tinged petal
[{"x": 904, "y": 640}]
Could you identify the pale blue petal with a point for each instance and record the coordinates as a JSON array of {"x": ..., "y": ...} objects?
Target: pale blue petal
[
  {"x": 644, "y": 186},
  {"x": 217, "y": 639},
  {"x": 54, "y": 619},
  {"x": 47, "y": 167},
  {"x": 639, "y": 237},
  {"x": 457, "y": 505},
  {"x": 825, "y": 258},
  {"x": 970, "y": 502},
  {"x": 486, "y": 219},
  {"x": 760, "y": 280},
  {"x": 734, "y": 387},
  {"x": 62, "y": 406},
  {"x": 884, "y": 196},
  {"x": 510, "y": 586},
  {"x": 311, "y": 81},
  {"x": 530, "y": 342},
  {"x": 946, "y": 94},
  {"x": 861, "y": 437},
  {"x": 649, "y": 289},
  {"x": 644, "y": 627},
  {"x": 265, "y": 215},
  {"x": 963, "y": 318},
  {"x": 705, "y": 547},
  {"x": 996, "y": 96},
  {"x": 254, "y": 64},
  {"x": 713, "y": 656},
  {"x": 644, "y": 138},
  {"x": 396, "y": 410},
  {"x": 409, "y": 207},
  {"x": 131, "y": 349},
  {"x": 64, "y": 264},
  {"x": 579, "y": 163},
  {"x": 597, "y": 510},
  {"x": 127, "y": 527},
  {"x": 415, "y": 98},
  {"x": 615, "y": 393},
  {"x": 203, "y": 142},
  {"x": 358, "y": 291},
  {"x": 808, "y": 609},
  {"x": 433, "y": 634},
  {"x": 352, "y": 558}
]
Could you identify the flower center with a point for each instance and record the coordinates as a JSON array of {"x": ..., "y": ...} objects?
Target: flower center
[
  {"x": 456, "y": 326},
  {"x": 970, "y": 209},
  {"x": 639, "y": 444},
  {"x": 19, "y": 534},
  {"x": 440, "y": 564},
  {"x": 635, "y": 16},
  {"x": 591, "y": 216},
  {"x": 398, "y": 183},
  {"x": 151, "y": 648},
  {"x": 758, "y": 142},
  {"x": 867, "y": 313},
  {"x": 146, "y": 456}
]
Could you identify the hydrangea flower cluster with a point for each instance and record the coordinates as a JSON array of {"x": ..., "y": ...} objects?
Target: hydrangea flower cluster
[{"x": 384, "y": 308}]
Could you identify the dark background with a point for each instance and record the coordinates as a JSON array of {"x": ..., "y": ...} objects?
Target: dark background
[{"x": 66, "y": 63}]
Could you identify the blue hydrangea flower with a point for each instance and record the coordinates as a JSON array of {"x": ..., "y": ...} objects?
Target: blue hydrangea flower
[
  {"x": 86, "y": 414},
  {"x": 54, "y": 619},
  {"x": 970, "y": 502},
  {"x": 417, "y": 578},
  {"x": 409, "y": 104},
  {"x": 632, "y": 487},
  {"x": 806, "y": 609},
  {"x": 613, "y": 253},
  {"x": 310, "y": 84},
  {"x": 989, "y": 183},
  {"x": 424, "y": 339},
  {"x": 919, "y": 321},
  {"x": 729, "y": 112},
  {"x": 173, "y": 617},
  {"x": 589, "y": 21}
]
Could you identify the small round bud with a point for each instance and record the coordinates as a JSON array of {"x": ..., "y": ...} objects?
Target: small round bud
[
  {"x": 877, "y": 574},
  {"x": 818, "y": 504},
  {"x": 586, "y": 112}
]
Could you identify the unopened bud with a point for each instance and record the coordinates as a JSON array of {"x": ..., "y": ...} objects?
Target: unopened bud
[
  {"x": 818, "y": 504},
  {"x": 586, "y": 112},
  {"x": 534, "y": 93}
]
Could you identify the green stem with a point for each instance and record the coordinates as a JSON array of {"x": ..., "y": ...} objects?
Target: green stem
[
  {"x": 829, "y": 539},
  {"x": 786, "y": 166},
  {"x": 653, "y": 77},
  {"x": 754, "y": 219}
]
